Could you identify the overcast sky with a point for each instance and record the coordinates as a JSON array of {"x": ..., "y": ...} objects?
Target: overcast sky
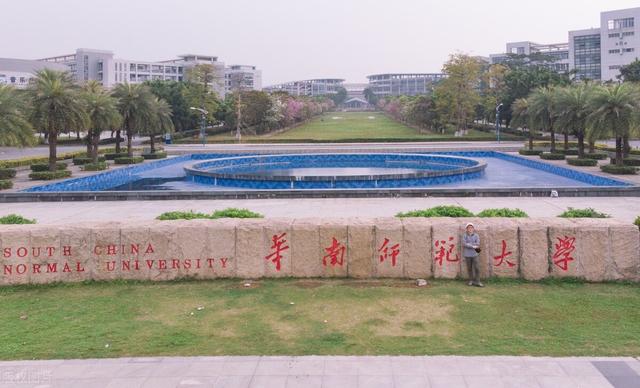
[{"x": 293, "y": 39}]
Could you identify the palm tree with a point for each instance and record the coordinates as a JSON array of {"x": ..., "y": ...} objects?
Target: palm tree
[
  {"x": 103, "y": 114},
  {"x": 135, "y": 106},
  {"x": 573, "y": 107},
  {"x": 159, "y": 123},
  {"x": 56, "y": 107},
  {"x": 15, "y": 129},
  {"x": 520, "y": 117},
  {"x": 542, "y": 111},
  {"x": 613, "y": 109}
]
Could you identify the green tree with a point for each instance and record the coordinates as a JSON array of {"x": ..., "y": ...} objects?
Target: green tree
[
  {"x": 543, "y": 112},
  {"x": 458, "y": 93},
  {"x": 160, "y": 122},
  {"x": 371, "y": 97},
  {"x": 103, "y": 115},
  {"x": 614, "y": 109},
  {"x": 15, "y": 129},
  {"x": 573, "y": 107},
  {"x": 56, "y": 107},
  {"x": 339, "y": 96},
  {"x": 135, "y": 107},
  {"x": 630, "y": 72},
  {"x": 175, "y": 94},
  {"x": 522, "y": 118}
]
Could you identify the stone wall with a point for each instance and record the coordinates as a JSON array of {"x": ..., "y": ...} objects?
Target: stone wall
[{"x": 532, "y": 249}]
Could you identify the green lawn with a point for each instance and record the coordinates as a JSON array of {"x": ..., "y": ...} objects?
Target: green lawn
[
  {"x": 352, "y": 126},
  {"x": 318, "y": 317}
]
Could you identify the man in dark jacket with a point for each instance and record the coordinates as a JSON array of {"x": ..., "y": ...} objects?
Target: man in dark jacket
[{"x": 471, "y": 252}]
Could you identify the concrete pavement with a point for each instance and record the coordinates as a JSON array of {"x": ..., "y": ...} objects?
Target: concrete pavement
[{"x": 325, "y": 371}]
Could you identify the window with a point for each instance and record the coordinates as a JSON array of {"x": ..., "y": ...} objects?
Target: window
[
  {"x": 615, "y": 24},
  {"x": 628, "y": 33},
  {"x": 614, "y": 67},
  {"x": 616, "y": 51},
  {"x": 614, "y": 35},
  {"x": 628, "y": 50}
]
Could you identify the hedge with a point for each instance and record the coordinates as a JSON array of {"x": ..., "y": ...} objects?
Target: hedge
[
  {"x": 569, "y": 152},
  {"x": 225, "y": 213},
  {"x": 7, "y": 173},
  {"x": 157, "y": 155},
  {"x": 583, "y": 213},
  {"x": 129, "y": 160},
  {"x": 619, "y": 170},
  {"x": 438, "y": 211},
  {"x": 5, "y": 184},
  {"x": 503, "y": 212},
  {"x": 525, "y": 151},
  {"x": 597, "y": 156},
  {"x": 45, "y": 166},
  {"x": 552, "y": 156},
  {"x": 12, "y": 219},
  {"x": 582, "y": 162},
  {"x": 95, "y": 166},
  {"x": 628, "y": 161},
  {"x": 49, "y": 175},
  {"x": 114, "y": 156},
  {"x": 44, "y": 159},
  {"x": 81, "y": 160}
]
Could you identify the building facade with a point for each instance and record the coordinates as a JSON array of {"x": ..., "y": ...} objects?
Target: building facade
[
  {"x": 310, "y": 87},
  {"x": 409, "y": 84},
  {"x": 18, "y": 72},
  {"x": 595, "y": 53},
  {"x": 104, "y": 67},
  {"x": 244, "y": 77}
]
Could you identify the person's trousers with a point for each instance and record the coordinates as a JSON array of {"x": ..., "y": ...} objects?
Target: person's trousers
[{"x": 473, "y": 264}]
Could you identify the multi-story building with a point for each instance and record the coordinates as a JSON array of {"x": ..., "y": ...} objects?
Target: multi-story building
[
  {"x": 410, "y": 84},
  {"x": 104, "y": 67},
  {"x": 310, "y": 87},
  {"x": 554, "y": 56},
  {"x": 245, "y": 77},
  {"x": 594, "y": 53},
  {"x": 18, "y": 72}
]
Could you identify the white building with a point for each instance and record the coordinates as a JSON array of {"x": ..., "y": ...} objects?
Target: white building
[
  {"x": 409, "y": 84},
  {"x": 18, "y": 72},
  {"x": 554, "y": 56},
  {"x": 310, "y": 87},
  {"x": 620, "y": 40},
  {"x": 249, "y": 77}
]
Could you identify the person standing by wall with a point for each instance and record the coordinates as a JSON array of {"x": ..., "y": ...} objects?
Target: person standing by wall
[{"x": 471, "y": 251}]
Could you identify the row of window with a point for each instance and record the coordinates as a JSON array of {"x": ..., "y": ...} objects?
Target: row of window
[
  {"x": 624, "y": 50},
  {"x": 615, "y": 24},
  {"x": 618, "y": 35}
]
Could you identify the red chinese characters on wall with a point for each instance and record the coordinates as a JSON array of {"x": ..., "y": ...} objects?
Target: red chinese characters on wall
[
  {"x": 504, "y": 257},
  {"x": 335, "y": 254},
  {"x": 563, "y": 252},
  {"x": 389, "y": 250},
  {"x": 445, "y": 251},
  {"x": 278, "y": 245}
]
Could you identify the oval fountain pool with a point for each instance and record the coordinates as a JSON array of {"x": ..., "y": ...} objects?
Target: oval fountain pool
[{"x": 339, "y": 171}]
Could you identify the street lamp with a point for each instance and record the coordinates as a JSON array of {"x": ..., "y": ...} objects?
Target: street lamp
[
  {"x": 203, "y": 124},
  {"x": 498, "y": 110}
]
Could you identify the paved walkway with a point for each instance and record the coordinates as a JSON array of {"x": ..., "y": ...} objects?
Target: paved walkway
[
  {"x": 330, "y": 372},
  {"x": 625, "y": 209}
]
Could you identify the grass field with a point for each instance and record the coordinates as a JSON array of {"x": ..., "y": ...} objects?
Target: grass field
[
  {"x": 299, "y": 317},
  {"x": 356, "y": 126}
]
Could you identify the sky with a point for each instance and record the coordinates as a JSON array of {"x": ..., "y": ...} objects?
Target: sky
[{"x": 293, "y": 39}]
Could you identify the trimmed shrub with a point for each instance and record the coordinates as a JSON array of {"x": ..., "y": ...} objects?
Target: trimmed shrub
[
  {"x": 114, "y": 156},
  {"x": 82, "y": 160},
  {"x": 582, "y": 162},
  {"x": 637, "y": 222},
  {"x": 129, "y": 160},
  {"x": 95, "y": 166},
  {"x": 503, "y": 212},
  {"x": 157, "y": 155},
  {"x": 552, "y": 156},
  {"x": 5, "y": 184},
  {"x": 438, "y": 211},
  {"x": 619, "y": 170},
  {"x": 525, "y": 151},
  {"x": 45, "y": 166},
  {"x": 583, "y": 213},
  {"x": 14, "y": 219},
  {"x": 49, "y": 175},
  {"x": 226, "y": 213},
  {"x": 569, "y": 152},
  {"x": 597, "y": 156},
  {"x": 628, "y": 162},
  {"x": 7, "y": 173}
]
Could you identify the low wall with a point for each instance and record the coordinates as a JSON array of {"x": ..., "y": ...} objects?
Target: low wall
[{"x": 532, "y": 249}]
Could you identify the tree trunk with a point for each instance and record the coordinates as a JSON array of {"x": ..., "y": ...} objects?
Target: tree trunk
[
  {"x": 566, "y": 141},
  {"x": 530, "y": 139},
  {"x": 152, "y": 143},
  {"x": 592, "y": 146},
  {"x": 626, "y": 147},
  {"x": 53, "y": 144},
  {"x": 581, "y": 145},
  {"x": 619, "y": 151},
  {"x": 553, "y": 140},
  {"x": 129, "y": 144},
  {"x": 118, "y": 140},
  {"x": 94, "y": 149}
]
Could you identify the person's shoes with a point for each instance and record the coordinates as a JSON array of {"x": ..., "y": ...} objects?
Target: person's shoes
[
  {"x": 479, "y": 284},
  {"x": 470, "y": 284}
]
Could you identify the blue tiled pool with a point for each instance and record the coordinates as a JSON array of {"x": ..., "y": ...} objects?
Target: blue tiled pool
[{"x": 502, "y": 171}]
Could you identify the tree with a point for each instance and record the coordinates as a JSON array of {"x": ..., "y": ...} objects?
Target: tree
[
  {"x": 102, "y": 113},
  {"x": 160, "y": 121},
  {"x": 15, "y": 129},
  {"x": 458, "y": 93},
  {"x": 630, "y": 72},
  {"x": 573, "y": 109},
  {"x": 522, "y": 117},
  {"x": 339, "y": 96},
  {"x": 56, "y": 107},
  {"x": 542, "y": 111},
  {"x": 613, "y": 110},
  {"x": 135, "y": 107},
  {"x": 371, "y": 97},
  {"x": 177, "y": 95},
  {"x": 420, "y": 110}
]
